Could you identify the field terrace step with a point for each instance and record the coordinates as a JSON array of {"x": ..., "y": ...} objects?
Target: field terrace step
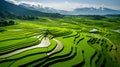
[{"x": 44, "y": 43}]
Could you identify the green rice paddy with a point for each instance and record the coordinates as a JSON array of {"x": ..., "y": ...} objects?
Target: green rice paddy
[{"x": 80, "y": 48}]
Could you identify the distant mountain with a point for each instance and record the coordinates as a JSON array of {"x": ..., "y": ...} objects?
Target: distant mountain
[
  {"x": 10, "y": 9},
  {"x": 95, "y": 11},
  {"x": 77, "y": 11},
  {"x": 39, "y": 8}
]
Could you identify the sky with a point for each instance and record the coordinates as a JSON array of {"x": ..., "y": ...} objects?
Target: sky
[{"x": 72, "y": 4}]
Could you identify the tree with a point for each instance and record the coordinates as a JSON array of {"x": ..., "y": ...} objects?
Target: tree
[
  {"x": 3, "y": 23},
  {"x": 11, "y": 22},
  {"x": 6, "y": 23}
]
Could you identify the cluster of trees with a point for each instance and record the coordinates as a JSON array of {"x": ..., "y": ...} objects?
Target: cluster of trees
[
  {"x": 113, "y": 15},
  {"x": 98, "y": 17},
  {"x": 6, "y": 23},
  {"x": 117, "y": 20},
  {"x": 30, "y": 17},
  {"x": 26, "y": 17},
  {"x": 94, "y": 17}
]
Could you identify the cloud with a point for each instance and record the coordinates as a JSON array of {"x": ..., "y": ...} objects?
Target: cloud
[
  {"x": 13, "y": 1},
  {"x": 69, "y": 6}
]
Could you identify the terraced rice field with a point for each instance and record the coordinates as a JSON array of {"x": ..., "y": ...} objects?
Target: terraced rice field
[{"x": 77, "y": 49}]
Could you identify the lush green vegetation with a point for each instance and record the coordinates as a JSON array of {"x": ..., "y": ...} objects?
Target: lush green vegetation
[
  {"x": 80, "y": 47},
  {"x": 5, "y": 23}
]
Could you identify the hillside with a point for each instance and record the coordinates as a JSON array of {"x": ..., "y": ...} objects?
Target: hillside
[
  {"x": 16, "y": 10},
  {"x": 60, "y": 42}
]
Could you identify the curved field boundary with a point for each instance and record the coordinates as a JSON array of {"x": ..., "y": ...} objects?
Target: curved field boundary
[
  {"x": 67, "y": 47},
  {"x": 81, "y": 63},
  {"x": 74, "y": 53},
  {"x": 70, "y": 36},
  {"x": 28, "y": 35},
  {"x": 79, "y": 40},
  {"x": 93, "y": 59},
  {"x": 76, "y": 37},
  {"x": 55, "y": 59},
  {"x": 52, "y": 47},
  {"x": 73, "y": 61},
  {"x": 58, "y": 47},
  {"x": 18, "y": 41},
  {"x": 40, "y": 62},
  {"x": 12, "y": 43},
  {"x": 99, "y": 62},
  {"x": 44, "y": 43},
  {"x": 17, "y": 47}
]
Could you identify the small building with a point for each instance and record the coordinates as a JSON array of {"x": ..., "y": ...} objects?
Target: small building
[{"x": 94, "y": 31}]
